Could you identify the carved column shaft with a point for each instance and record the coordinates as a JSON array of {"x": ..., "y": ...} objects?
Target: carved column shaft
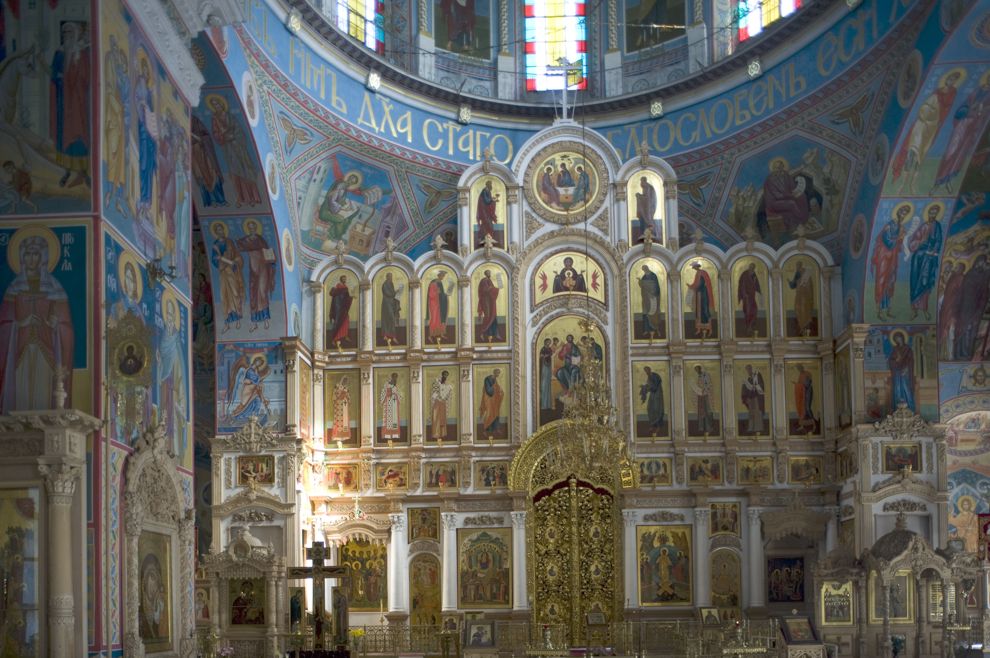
[
  {"x": 60, "y": 484},
  {"x": 366, "y": 337},
  {"x": 467, "y": 313},
  {"x": 449, "y": 594},
  {"x": 414, "y": 330},
  {"x": 756, "y": 568},
  {"x": 417, "y": 424},
  {"x": 702, "y": 565},
  {"x": 631, "y": 558},
  {"x": 397, "y": 572},
  {"x": 885, "y": 603},
  {"x": 520, "y": 597},
  {"x": 318, "y": 317},
  {"x": 832, "y": 530}
]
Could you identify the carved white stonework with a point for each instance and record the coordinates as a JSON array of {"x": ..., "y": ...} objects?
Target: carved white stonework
[
  {"x": 904, "y": 505},
  {"x": 663, "y": 516},
  {"x": 518, "y": 520},
  {"x": 60, "y": 481},
  {"x": 484, "y": 520},
  {"x": 449, "y": 521},
  {"x": 253, "y": 437},
  {"x": 154, "y": 19},
  {"x": 904, "y": 425}
]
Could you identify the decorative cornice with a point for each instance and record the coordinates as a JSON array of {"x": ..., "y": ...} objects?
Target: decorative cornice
[
  {"x": 904, "y": 425},
  {"x": 172, "y": 47},
  {"x": 663, "y": 516},
  {"x": 904, "y": 505},
  {"x": 484, "y": 520}
]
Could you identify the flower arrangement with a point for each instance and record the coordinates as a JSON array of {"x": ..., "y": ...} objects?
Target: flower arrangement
[
  {"x": 225, "y": 651},
  {"x": 356, "y": 633}
]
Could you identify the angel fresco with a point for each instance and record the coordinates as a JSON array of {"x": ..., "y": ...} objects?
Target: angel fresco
[{"x": 245, "y": 396}]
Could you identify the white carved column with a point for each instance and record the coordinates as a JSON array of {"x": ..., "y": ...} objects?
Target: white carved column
[
  {"x": 832, "y": 529},
  {"x": 777, "y": 318},
  {"x": 60, "y": 484},
  {"x": 520, "y": 597},
  {"x": 416, "y": 421},
  {"x": 449, "y": 594},
  {"x": 671, "y": 231},
  {"x": 318, "y": 318},
  {"x": 825, "y": 324},
  {"x": 754, "y": 532},
  {"x": 414, "y": 328},
  {"x": 272, "y": 614},
  {"x": 319, "y": 413},
  {"x": 292, "y": 389},
  {"x": 367, "y": 411},
  {"x": 726, "y": 312},
  {"x": 465, "y": 402},
  {"x": 466, "y": 337},
  {"x": 702, "y": 565},
  {"x": 676, "y": 306},
  {"x": 630, "y": 550},
  {"x": 397, "y": 559},
  {"x": 366, "y": 336}
]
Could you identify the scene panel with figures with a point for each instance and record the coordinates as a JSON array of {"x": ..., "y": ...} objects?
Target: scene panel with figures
[
  {"x": 393, "y": 476},
  {"x": 801, "y": 277},
  {"x": 562, "y": 183},
  {"x": 785, "y": 580},
  {"x": 43, "y": 316},
  {"x": 491, "y": 402},
  {"x": 569, "y": 273},
  {"x": 441, "y": 406},
  {"x": 750, "y": 298},
  {"x": 464, "y": 28},
  {"x": 755, "y": 470},
  {"x": 247, "y": 279},
  {"x": 803, "y": 384},
  {"x": 342, "y": 407},
  {"x": 440, "y": 476},
  {"x": 424, "y": 523},
  {"x": 699, "y": 289},
  {"x": 45, "y": 120},
  {"x": 367, "y": 580},
  {"x": 963, "y": 301},
  {"x": 753, "y": 386},
  {"x": 390, "y": 290},
  {"x": 904, "y": 261},
  {"x": 439, "y": 306},
  {"x": 490, "y": 287},
  {"x": 645, "y": 199},
  {"x": 171, "y": 393},
  {"x": 250, "y": 384},
  {"x": 703, "y": 398},
  {"x": 342, "y": 478},
  {"x": 147, "y": 194},
  {"x": 491, "y": 475},
  {"x": 343, "y": 309},
  {"x": 488, "y": 199},
  {"x": 424, "y": 590},
  {"x": 156, "y": 599},
  {"x": 804, "y": 469},
  {"x": 560, "y": 347},
  {"x": 900, "y": 367},
  {"x": 649, "y": 293},
  {"x": 723, "y": 518},
  {"x": 726, "y": 575},
  {"x": 655, "y": 471},
  {"x": 247, "y": 598},
  {"x": 130, "y": 342},
  {"x": 20, "y": 539},
  {"x": 901, "y": 598},
  {"x": 484, "y": 568},
  {"x": 651, "y": 407},
  {"x": 837, "y": 603},
  {"x": 705, "y": 471},
  {"x": 391, "y": 404},
  {"x": 665, "y": 565}
]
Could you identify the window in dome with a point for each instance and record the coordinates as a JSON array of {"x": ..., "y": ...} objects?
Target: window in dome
[
  {"x": 555, "y": 30},
  {"x": 364, "y": 20},
  {"x": 652, "y": 22},
  {"x": 754, "y": 15}
]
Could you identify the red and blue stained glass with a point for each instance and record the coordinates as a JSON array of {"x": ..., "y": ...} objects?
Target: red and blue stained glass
[{"x": 555, "y": 30}]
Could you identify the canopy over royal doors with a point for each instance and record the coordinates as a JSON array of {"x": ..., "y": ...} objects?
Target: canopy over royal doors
[{"x": 573, "y": 531}]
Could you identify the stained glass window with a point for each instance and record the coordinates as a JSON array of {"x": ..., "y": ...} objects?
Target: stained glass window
[
  {"x": 555, "y": 31},
  {"x": 754, "y": 15},
  {"x": 364, "y": 20}
]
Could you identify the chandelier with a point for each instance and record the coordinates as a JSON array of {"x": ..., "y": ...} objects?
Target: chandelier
[{"x": 588, "y": 435}]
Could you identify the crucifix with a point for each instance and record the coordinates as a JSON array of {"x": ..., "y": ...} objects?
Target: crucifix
[
  {"x": 319, "y": 573},
  {"x": 565, "y": 68}
]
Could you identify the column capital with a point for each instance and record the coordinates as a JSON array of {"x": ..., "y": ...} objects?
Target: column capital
[
  {"x": 754, "y": 514},
  {"x": 60, "y": 481},
  {"x": 449, "y": 520},
  {"x": 518, "y": 519},
  {"x": 398, "y": 521},
  {"x": 629, "y": 517},
  {"x": 701, "y": 515}
]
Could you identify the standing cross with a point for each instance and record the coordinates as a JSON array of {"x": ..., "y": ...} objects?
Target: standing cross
[{"x": 319, "y": 573}]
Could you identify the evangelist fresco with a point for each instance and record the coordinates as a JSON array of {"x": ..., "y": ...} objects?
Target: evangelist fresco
[
  {"x": 343, "y": 309},
  {"x": 439, "y": 306},
  {"x": 225, "y": 166},
  {"x": 45, "y": 108},
  {"x": 441, "y": 407},
  {"x": 964, "y": 287},
  {"x": 490, "y": 290},
  {"x": 491, "y": 402},
  {"x": 560, "y": 346},
  {"x": 569, "y": 273},
  {"x": 391, "y": 307},
  {"x": 342, "y": 407},
  {"x": 664, "y": 565},
  {"x": 703, "y": 398},
  {"x": 699, "y": 288},
  {"x": 484, "y": 568},
  {"x": 367, "y": 584},
  {"x": 147, "y": 195},
  {"x": 43, "y": 316},
  {"x": 488, "y": 203},
  {"x": 750, "y": 297},
  {"x": 799, "y": 185},
  {"x": 804, "y": 397},
  {"x": 753, "y": 383},
  {"x": 645, "y": 200},
  {"x": 250, "y": 383},
  {"x": 899, "y": 367},
  {"x": 649, "y": 299},
  {"x": 391, "y": 404},
  {"x": 247, "y": 279},
  {"x": 651, "y": 408},
  {"x": 801, "y": 277}
]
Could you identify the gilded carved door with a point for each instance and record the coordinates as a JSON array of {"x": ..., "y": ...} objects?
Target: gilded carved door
[{"x": 575, "y": 550}]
